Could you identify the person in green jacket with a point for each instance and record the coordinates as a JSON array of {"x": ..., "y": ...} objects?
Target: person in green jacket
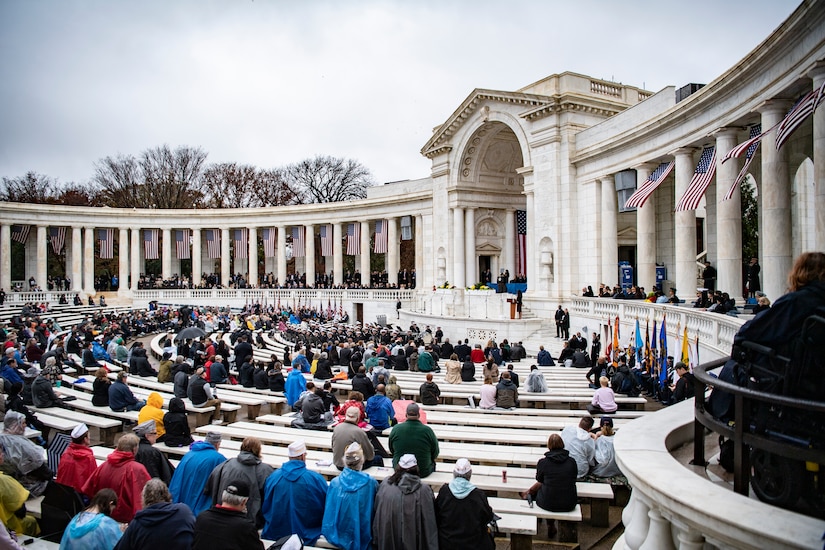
[
  {"x": 426, "y": 363},
  {"x": 413, "y": 437}
]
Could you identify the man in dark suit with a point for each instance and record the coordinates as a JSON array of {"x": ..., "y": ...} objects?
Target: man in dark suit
[
  {"x": 578, "y": 342},
  {"x": 463, "y": 350}
]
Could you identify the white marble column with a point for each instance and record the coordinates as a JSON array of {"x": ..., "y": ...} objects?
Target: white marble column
[
  {"x": 5, "y": 256},
  {"x": 309, "y": 240},
  {"x": 281, "y": 255},
  {"x": 226, "y": 258},
  {"x": 775, "y": 194},
  {"x": 509, "y": 243},
  {"x": 470, "y": 262},
  {"x": 393, "y": 251},
  {"x": 419, "y": 253},
  {"x": 684, "y": 228},
  {"x": 646, "y": 233},
  {"x": 77, "y": 259},
  {"x": 252, "y": 253},
  {"x": 134, "y": 258},
  {"x": 42, "y": 257},
  {"x": 89, "y": 260},
  {"x": 166, "y": 253},
  {"x": 818, "y": 76},
  {"x": 728, "y": 218},
  {"x": 197, "y": 257},
  {"x": 365, "y": 253},
  {"x": 337, "y": 254},
  {"x": 123, "y": 261},
  {"x": 459, "y": 257},
  {"x": 610, "y": 230}
]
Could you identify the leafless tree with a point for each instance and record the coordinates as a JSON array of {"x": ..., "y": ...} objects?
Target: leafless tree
[
  {"x": 32, "y": 187},
  {"x": 328, "y": 179},
  {"x": 274, "y": 190}
]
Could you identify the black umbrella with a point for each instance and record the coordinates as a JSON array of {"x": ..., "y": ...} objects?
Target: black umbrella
[{"x": 190, "y": 332}]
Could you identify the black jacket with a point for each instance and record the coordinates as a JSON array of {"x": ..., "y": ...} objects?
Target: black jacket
[
  {"x": 176, "y": 424},
  {"x": 429, "y": 393},
  {"x": 462, "y": 523},
  {"x": 557, "y": 472},
  {"x": 163, "y": 525},
  {"x": 364, "y": 385},
  {"x": 154, "y": 461},
  {"x": 225, "y": 529}
]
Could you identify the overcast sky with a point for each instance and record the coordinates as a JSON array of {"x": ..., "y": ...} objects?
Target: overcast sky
[{"x": 269, "y": 82}]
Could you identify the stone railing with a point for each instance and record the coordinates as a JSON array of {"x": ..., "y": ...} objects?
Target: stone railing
[
  {"x": 672, "y": 507},
  {"x": 286, "y": 296},
  {"x": 50, "y": 296},
  {"x": 599, "y": 87}
]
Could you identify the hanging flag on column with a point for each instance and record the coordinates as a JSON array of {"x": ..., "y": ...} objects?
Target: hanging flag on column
[
  {"x": 380, "y": 237},
  {"x": 640, "y": 196},
  {"x": 798, "y": 113},
  {"x": 521, "y": 242},
  {"x": 240, "y": 238},
  {"x": 106, "y": 238},
  {"x": 20, "y": 233},
  {"x": 298, "y": 247},
  {"x": 213, "y": 243},
  {"x": 326, "y": 240},
  {"x": 150, "y": 244},
  {"x": 750, "y": 146},
  {"x": 702, "y": 176},
  {"x": 182, "y": 244},
  {"x": 269, "y": 242},
  {"x": 353, "y": 239},
  {"x": 57, "y": 236}
]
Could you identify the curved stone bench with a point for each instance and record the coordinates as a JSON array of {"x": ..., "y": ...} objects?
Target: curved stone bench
[{"x": 671, "y": 504}]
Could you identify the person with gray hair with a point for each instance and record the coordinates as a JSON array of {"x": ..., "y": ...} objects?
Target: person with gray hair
[
  {"x": 350, "y": 500},
  {"x": 190, "y": 477},
  {"x": 161, "y": 523},
  {"x": 25, "y": 461},
  {"x": 226, "y": 526},
  {"x": 463, "y": 512}
]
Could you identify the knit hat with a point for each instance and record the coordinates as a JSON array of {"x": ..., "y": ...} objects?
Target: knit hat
[
  {"x": 407, "y": 461},
  {"x": 213, "y": 437}
]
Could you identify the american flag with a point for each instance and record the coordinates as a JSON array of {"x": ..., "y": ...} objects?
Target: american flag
[
  {"x": 640, "y": 196},
  {"x": 353, "y": 239},
  {"x": 298, "y": 248},
  {"x": 798, "y": 113},
  {"x": 240, "y": 239},
  {"x": 106, "y": 239},
  {"x": 269, "y": 242},
  {"x": 752, "y": 145},
  {"x": 213, "y": 243},
  {"x": 521, "y": 242},
  {"x": 704, "y": 173},
  {"x": 150, "y": 244},
  {"x": 380, "y": 237},
  {"x": 20, "y": 233},
  {"x": 326, "y": 240},
  {"x": 57, "y": 235},
  {"x": 182, "y": 244}
]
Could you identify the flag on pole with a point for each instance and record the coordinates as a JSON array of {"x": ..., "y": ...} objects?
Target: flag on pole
[
  {"x": 648, "y": 352},
  {"x": 608, "y": 338},
  {"x": 57, "y": 236},
  {"x": 798, "y": 113},
  {"x": 702, "y": 177},
  {"x": 182, "y": 237},
  {"x": 685, "y": 348},
  {"x": 240, "y": 239},
  {"x": 106, "y": 238},
  {"x": 639, "y": 343},
  {"x": 353, "y": 239},
  {"x": 269, "y": 242},
  {"x": 616, "y": 337},
  {"x": 326, "y": 240},
  {"x": 213, "y": 243},
  {"x": 663, "y": 352},
  {"x": 298, "y": 245},
  {"x": 20, "y": 233},
  {"x": 653, "y": 181},
  {"x": 380, "y": 237},
  {"x": 521, "y": 242},
  {"x": 150, "y": 244}
]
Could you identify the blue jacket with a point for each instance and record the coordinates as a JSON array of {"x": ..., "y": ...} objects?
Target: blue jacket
[
  {"x": 380, "y": 411},
  {"x": 189, "y": 479},
  {"x": 294, "y": 499},
  {"x": 544, "y": 359},
  {"x": 120, "y": 396},
  {"x": 10, "y": 374},
  {"x": 301, "y": 362},
  {"x": 348, "y": 513},
  {"x": 295, "y": 385}
]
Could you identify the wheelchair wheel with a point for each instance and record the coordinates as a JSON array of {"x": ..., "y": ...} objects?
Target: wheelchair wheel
[{"x": 776, "y": 480}]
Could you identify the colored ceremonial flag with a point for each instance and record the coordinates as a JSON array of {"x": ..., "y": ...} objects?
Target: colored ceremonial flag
[
  {"x": 353, "y": 239},
  {"x": 182, "y": 244},
  {"x": 616, "y": 336},
  {"x": 240, "y": 239},
  {"x": 213, "y": 243},
  {"x": 752, "y": 145},
  {"x": 20, "y": 233},
  {"x": 608, "y": 338},
  {"x": 298, "y": 247},
  {"x": 663, "y": 352},
  {"x": 326, "y": 240},
  {"x": 648, "y": 353},
  {"x": 150, "y": 244},
  {"x": 640, "y": 196},
  {"x": 521, "y": 242},
  {"x": 269, "y": 242},
  {"x": 685, "y": 348},
  {"x": 798, "y": 113},
  {"x": 702, "y": 177},
  {"x": 639, "y": 343},
  {"x": 380, "y": 237},
  {"x": 106, "y": 240},
  {"x": 57, "y": 235}
]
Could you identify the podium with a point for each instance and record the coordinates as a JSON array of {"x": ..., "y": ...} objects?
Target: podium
[{"x": 512, "y": 303}]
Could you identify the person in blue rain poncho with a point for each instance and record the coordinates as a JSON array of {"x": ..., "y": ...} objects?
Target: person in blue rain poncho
[
  {"x": 191, "y": 475},
  {"x": 93, "y": 528},
  {"x": 295, "y": 385},
  {"x": 348, "y": 513}
]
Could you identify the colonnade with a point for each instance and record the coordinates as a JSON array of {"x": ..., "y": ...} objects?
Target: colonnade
[{"x": 465, "y": 259}]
